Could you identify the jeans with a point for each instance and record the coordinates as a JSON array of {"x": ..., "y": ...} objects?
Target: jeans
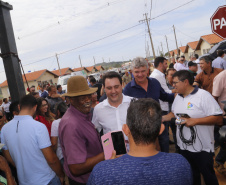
[
  {"x": 221, "y": 156},
  {"x": 201, "y": 163},
  {"x": 164, "y": 137},
  {"x": 55, "y": 181}
]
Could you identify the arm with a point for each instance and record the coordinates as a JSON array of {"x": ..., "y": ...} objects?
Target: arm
[
  {"x": 53, "y": 162},
  {"x": 168, "y": 117},
  {"x": 167, "y": 97},
  {"x": 209, "y": 120},
  {"x": 5, "y": 168},
  {"x": 87, "y": 166},
  {"x": 54, "y": 141},
  {"x": 197, "y": 80},
  {"x": 8, "y": 157}
]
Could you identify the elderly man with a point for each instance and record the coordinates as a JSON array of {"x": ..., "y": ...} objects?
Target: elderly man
[
  {"x": 197, "y": 112},
  {"x": 79, "y": 139},
  {"x": 143, "y": 87}
]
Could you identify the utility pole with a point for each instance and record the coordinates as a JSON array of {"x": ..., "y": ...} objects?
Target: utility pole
[
  {"x": 109, "y": 60},
  {"x": 167, "y": 45},
  {"x": 176, "y": 40},
  {"x": 159, "y": 51},
  {"x": 103, "y": 59},
  {"x": 58, "y": 64},
  {"x": 153, "y": 50},
  {"x": 94, "y": 60},
  {"x": 162, "y": 48},
  {"x": 80, "y": 60}
]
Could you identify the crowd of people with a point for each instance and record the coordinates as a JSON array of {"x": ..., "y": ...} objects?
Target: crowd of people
[{"x": 50, "y": 135}]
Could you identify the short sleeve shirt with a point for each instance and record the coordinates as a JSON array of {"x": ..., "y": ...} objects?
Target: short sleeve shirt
[
  {"x": 219, "y": 87},
  {"x": 24, "y": 138},
  {"x": 79, "y": 140},
  {"x": 198, "y": 104},
  {"x": 205, "y": 80}
]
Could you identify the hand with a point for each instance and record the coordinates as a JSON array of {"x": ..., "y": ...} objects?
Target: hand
[
  {"x": 113, "y": 156},
  {"x": 62, "y": 180},
  {"x": 189, "y": 122},
  {"x": 3, "y": 164}
]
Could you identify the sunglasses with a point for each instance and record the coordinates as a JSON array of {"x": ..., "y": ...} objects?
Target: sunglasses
[{"x": 1, "y": 117}]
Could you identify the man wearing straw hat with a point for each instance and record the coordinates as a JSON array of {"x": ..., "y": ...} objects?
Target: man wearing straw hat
[{"x": 80, "y": 141}]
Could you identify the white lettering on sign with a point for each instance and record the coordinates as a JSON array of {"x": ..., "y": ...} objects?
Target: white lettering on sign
[{"x": 218, "y": 22}]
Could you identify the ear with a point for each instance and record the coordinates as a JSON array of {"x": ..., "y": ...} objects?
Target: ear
[
  {"x": 162, "y": 128},
  {"x": 125, "y": 129}
]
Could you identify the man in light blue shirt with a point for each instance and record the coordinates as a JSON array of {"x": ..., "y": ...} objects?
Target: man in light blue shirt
[
  {"x": 28, "y": 147},
  {"x": 219, "y": 62}
]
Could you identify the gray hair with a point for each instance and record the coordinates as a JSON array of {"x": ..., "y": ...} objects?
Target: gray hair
[{"x": 139, "y": 62}]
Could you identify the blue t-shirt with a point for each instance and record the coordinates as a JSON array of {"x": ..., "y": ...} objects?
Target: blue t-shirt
[
  {"x": 162, "y": 168},
  {"x": 24, "y": 138},
  {"x": 154, "y": 91}
]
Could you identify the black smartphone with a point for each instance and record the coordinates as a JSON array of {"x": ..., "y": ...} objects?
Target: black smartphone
[
  {"x": 118, "y": 142},
  {"x": 183, "y": 115}
]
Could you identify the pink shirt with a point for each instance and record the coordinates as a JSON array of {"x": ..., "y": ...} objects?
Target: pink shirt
[
  {"x": 219, "y": 87},
  {"x": 79, "y": 140}
]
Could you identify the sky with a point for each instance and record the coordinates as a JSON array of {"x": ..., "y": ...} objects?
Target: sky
[{"x": 108, "y": 30}]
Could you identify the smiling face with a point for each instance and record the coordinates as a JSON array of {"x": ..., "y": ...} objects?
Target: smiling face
[
  {"x": 44, "y": 107},
  {"x": 204, "y": 65},
  {"x": 113, "y": 89},
  {"x": 170, "y": 76},
  {"x": 179, "y": 86},
  {"x": 140, "y": 74},
  {"x": 82, "y": 103}
]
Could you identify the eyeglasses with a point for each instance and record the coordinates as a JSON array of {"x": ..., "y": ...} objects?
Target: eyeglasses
[{"x": 175, "y": 83}]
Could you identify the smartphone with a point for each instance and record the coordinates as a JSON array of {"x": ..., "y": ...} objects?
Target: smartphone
[
  {"x": 183, "y": 115},
  {"x": 118, "y": 142}
]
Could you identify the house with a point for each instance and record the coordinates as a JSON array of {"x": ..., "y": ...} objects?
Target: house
[
  {"x": 206, "y": 42},
  {"x": 190, "y": 48},
  {"x": 99, "y": 68},
  {"x": 36, "y": 78},
  {"x": 63, "y": 71},
  {"x": 183, "y": 53}
]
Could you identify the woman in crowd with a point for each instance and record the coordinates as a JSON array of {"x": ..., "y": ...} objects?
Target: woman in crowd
[
  {"x": 43, "y": 113},
  {"x": 60, "y": 109},
  {"x": 5, "y": 108}
]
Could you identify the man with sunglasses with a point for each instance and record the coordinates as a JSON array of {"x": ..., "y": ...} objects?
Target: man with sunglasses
[{"x": 180, "y": 64}]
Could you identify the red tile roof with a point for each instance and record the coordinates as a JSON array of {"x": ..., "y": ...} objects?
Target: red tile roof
[
  {"x": 99, "y": 67},
  {"x": 64, "y": 71},
  {"x": 211, "y": 39},
  {"x": 90, "y": 68},
  {"x": 175, "y": 51},
  {"x": 30, "y": 76},
  {"x": 192, "y": 45},
  {"x": 80, "y": 69},
  {"x": 182, "y": 48},
  {"x": 171, "y": 53}
]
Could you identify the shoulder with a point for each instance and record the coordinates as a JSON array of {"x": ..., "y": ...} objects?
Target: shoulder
[
  {"x": 218, "y": 70},
  {"x": 153, "y": 81}
]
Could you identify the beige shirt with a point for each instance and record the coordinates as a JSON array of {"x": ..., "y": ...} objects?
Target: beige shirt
[
  {"x": 126, "y": 79},
  {"x": 219, "y": 87}
]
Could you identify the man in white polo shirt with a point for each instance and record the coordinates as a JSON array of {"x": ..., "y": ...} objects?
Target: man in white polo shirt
[
  {"x": 110, "y": 114},
  {"x": 195, "y": 135}
]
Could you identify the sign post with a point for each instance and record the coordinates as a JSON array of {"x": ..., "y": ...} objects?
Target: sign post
[{"x": 218, "y": 22}]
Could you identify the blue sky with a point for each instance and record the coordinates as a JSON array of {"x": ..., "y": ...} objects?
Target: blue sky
[{"x": 83, "y": 21}]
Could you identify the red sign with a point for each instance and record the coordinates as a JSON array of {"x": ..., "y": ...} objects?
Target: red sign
[{"x": 218, "y": 22}]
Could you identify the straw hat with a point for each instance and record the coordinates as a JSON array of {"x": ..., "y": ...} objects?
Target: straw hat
[{"x": 77, "y": 86}]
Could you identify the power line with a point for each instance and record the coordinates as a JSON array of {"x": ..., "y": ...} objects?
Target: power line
[
  {"x": 184, "y": 33},
  {"x": 69, "y": 19},
  {"x": 171, "y": 10}
]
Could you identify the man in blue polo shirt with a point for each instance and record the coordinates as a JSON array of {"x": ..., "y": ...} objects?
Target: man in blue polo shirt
[{"x": 143, "y": 87}]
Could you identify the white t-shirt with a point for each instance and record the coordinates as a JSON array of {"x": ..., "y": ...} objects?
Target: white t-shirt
[
  {"x": 24, "y": 138},
  {"x": 179, "y": 67},
  {"x": 199, "y": 68},
  {"x": 54, "y": 133},
  {"x": 158, "y": 75},
  {"x": 5, "y": 106},
  {"x": 198, "y": 104}
]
